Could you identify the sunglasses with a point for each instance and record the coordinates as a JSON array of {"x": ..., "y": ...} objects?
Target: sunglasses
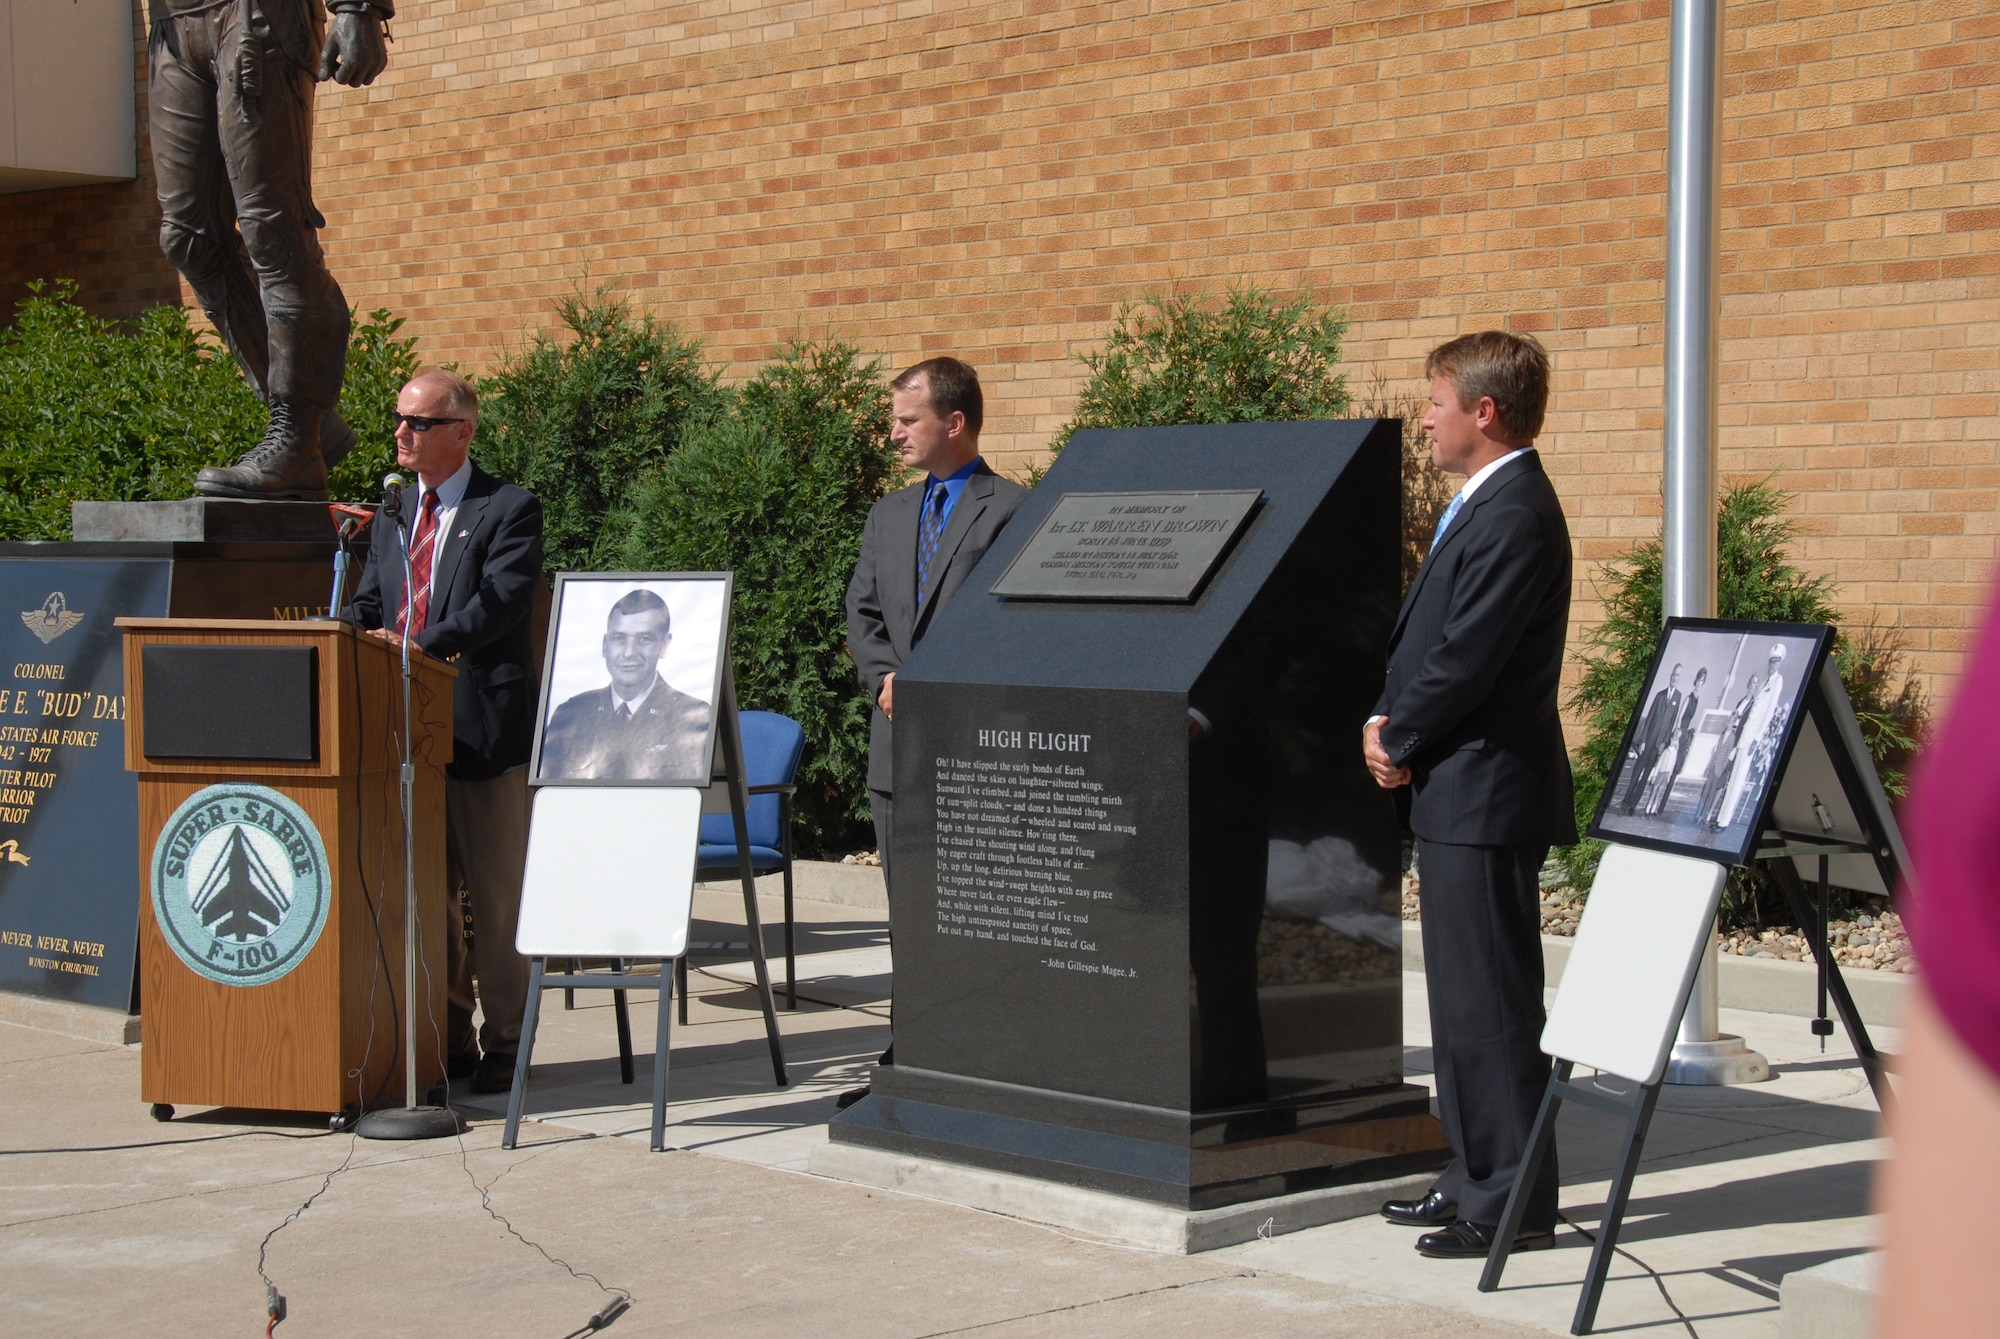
[{"x": 418, "y": 423}]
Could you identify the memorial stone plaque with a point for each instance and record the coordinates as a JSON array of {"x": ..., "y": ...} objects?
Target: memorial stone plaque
[
  {"x": 69, "y": 831},
  {"x": 1146, "y": 898},
  {"x": 69, "y": 816},
  {"x": 1127, "y": 546}
]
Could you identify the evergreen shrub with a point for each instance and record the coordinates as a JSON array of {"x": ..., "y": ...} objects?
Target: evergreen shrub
[
  {"x": 579, "y": 416},
  {"x": 102, "y": 411},
  {"x": 1758, "y": 582},
  {"x": 777, "y": 489},
  {"x": 1427, "y": 490},
  {"x": 1181, "y": 358}
]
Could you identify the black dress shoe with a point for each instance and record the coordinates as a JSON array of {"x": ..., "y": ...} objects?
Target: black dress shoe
[
  {"x": 850, "y": 1097},
  {"x": 495, "y": 1073},
  {"x": 1433, "y": 1210},
  {"x": 1472, "y": 1241},
  {"x": 462, "y": 1066}
]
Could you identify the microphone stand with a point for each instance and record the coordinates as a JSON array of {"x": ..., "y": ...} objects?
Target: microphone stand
[
  {"x": 410, "y": 1121},
  {"x": 340, "y": 537},
  {"x": 349, "y": 526}
]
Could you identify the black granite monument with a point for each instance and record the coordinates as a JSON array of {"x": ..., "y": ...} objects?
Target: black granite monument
[
  {"x": 69, "y": 829},
  {"x": 1146, "y": 906}
]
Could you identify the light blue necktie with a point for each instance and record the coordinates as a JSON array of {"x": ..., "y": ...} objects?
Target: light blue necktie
[
  {"x": 1444, "y": 522},
  {"x": 928, "y": 533}
]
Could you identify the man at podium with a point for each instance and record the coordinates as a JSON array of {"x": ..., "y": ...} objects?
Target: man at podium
[{"x": 475, "y": 553}]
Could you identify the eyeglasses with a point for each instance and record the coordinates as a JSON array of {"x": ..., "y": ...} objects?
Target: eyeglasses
[{"x": 418, "y": 423}]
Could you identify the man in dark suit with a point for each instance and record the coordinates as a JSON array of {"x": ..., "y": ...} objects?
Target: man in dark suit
[
  {"x": 1656, "y": 731},
  {"x": 1467, "y": 735},
  {"x": 637, "y": 727},
  {"x": 475, "y": 554},
  {"x": 1683, "y": 741},
  {"x": 918, "y": 546}
]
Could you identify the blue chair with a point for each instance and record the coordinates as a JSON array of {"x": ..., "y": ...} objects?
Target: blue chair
[{"x": 772, "y": 747}]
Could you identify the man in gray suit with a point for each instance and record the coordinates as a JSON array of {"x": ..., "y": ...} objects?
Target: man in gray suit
[{"x": 919, "y": 544}]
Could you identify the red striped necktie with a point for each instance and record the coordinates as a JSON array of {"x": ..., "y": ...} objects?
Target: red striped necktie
[{"x": 421, "y": 546}]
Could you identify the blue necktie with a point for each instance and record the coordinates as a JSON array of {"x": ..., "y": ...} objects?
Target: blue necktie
[
  {"x": 928, "y": 533},
  {"x": 1444, "y": 522}
]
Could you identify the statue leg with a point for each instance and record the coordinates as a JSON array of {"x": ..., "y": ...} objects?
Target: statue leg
[
  {"x": 197, "y": 209},
  {"x": 266, "y": 145}
]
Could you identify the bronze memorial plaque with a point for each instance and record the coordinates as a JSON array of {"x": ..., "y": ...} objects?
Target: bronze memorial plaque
[{"x": 1128, "y": 546}]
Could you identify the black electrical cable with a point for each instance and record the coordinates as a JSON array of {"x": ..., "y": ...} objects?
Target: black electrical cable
[
  {"x": 1658, "y": 1282},
  {"x": 164, "y": 1143},
  {"x": 382, "y": 974},
  {"x": 274, "y": 1301},
  {"x": 621, "y": 1298}
]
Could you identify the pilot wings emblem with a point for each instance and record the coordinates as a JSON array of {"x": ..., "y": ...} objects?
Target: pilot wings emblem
[{"x": 53, "y": 619}]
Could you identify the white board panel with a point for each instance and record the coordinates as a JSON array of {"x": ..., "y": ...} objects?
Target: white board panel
[
  {"x": 1648, "y": 920},
  {"x": 610, "y": 872}
]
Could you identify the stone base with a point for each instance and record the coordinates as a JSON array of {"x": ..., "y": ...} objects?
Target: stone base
[
  {"x": 114, "y": 1027},
  {"x": 1113, "y": 1218},
  {"x": 1187, "y": 1162},
  {"x": 201, "y": 520}
]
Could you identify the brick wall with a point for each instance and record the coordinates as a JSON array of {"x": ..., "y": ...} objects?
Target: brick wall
[{"x": 993, "y": 179}]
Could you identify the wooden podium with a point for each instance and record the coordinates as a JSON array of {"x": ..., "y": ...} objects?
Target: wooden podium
[{"x": 271, "y": 862}]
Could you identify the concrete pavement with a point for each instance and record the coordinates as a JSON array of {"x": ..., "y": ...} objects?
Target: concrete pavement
[{"x": 728, "y": 1235}]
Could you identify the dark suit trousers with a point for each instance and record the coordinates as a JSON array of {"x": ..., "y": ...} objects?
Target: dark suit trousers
[
  {"x": 1483, "y": 971},
  {"x": 486, "y": 852},
  {"x": 882, "y": 808}
]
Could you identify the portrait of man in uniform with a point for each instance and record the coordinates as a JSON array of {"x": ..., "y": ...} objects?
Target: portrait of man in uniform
[{"x": 637, "y": 726}]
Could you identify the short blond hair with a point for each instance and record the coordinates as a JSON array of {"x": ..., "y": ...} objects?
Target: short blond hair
[{"x": 1511, "y": 369}]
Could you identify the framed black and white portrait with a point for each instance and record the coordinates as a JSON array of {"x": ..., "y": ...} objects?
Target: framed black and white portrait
[
  {"x": 1709, "y": 736},
  {"x": 633, "y": 678}
]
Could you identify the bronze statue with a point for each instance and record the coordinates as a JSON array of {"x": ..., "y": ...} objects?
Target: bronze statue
[{"x": 231, "y": 92}]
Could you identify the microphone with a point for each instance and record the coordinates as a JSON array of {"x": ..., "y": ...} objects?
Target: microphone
[
  {"x": 351, "y": 519},
  {"x": 392, "y": 495}
]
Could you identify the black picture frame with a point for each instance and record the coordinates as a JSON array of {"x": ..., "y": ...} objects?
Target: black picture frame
[
  {"x": 1700, "y": 781},
  {"x": 573, "y": 741}
]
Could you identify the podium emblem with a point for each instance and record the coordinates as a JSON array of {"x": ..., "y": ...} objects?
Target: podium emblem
[{"x": 241, "y": 885}]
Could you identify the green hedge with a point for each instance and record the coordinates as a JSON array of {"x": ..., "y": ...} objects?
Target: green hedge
[
  {"x": 1757, "y": 582},
  {"x": 581, "y": 415},
  {"x": 98, "y": 410},
  {"x": 1182, "y": 358},
  {"x": 776, "y": 489}
]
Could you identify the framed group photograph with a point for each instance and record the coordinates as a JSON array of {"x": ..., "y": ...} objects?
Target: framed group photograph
[
  {"x": 633, "y": 678},
  {"x": 1709, "y": 736}
]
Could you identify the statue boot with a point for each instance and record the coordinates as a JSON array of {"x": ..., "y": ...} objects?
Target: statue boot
[
  {"x": 336, "y": 438},
  {"x": 285, "y": 466}
]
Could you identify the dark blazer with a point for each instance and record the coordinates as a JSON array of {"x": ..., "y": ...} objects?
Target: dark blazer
[
  {"x": 586, "y": 738},
  {"x": 883, "y": 622},
  {"x": 1474, "y": 663},
  {"x": 481, "y": 595}
]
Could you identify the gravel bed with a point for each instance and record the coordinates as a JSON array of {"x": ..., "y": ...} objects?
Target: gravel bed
[
  {"x": 1872, "y": 941},
  {"x": 1297, "y": 953}
]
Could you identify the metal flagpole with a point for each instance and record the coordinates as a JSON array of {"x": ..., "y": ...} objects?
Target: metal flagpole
[{"x": 1702, "y": 1053}]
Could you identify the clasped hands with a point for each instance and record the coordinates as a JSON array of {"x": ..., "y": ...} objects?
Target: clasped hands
[{"x": 1387, "y": 775}]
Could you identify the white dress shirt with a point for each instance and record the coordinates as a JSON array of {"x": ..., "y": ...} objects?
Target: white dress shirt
[{"x": 450, "y": 493}]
